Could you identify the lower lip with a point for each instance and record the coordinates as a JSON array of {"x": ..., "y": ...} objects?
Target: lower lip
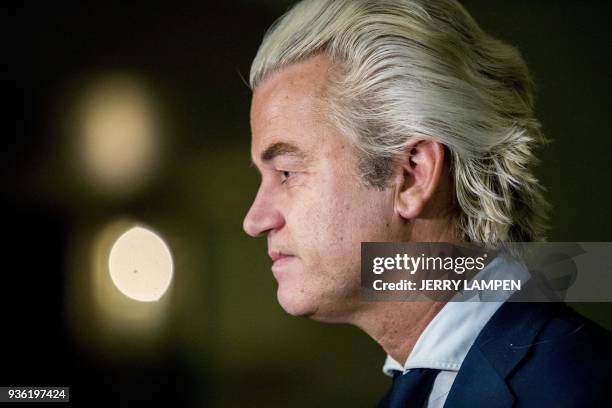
[{"x": 280, "y": 263}]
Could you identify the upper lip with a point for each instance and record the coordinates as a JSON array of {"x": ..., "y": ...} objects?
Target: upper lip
[{"x": 276, "y": 255}]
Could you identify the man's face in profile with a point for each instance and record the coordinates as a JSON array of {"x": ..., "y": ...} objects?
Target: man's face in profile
[{"x": 311, "y": 205}]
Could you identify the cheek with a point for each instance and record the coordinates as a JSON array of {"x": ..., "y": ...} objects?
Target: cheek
[
  {"x": 318, "y": 230},
  {"x": 329, "y": 219},
  {"x": 367, "y": 215},
  {"x": 330, "y": 228}
]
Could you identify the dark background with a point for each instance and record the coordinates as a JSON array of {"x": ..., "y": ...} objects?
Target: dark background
[{"x": 225, "y": 341}]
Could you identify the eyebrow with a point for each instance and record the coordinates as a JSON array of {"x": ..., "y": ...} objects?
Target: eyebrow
[{"x": 279, "y": 149}]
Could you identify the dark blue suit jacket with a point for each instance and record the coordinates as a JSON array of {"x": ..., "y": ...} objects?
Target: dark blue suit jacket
[{"x": 536, "y": 355}]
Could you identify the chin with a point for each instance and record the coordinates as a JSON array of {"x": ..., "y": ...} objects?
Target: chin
[{"x": 295, "y": 302}]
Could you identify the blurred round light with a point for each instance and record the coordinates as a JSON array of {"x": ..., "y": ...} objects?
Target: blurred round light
[
  {"x": 141, "y": 265},
  {"x": 118, "y": 133}
]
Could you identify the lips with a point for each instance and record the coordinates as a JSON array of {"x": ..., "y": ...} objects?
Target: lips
[
  {"x": 279, "y": 259},
  {"x": 277, "y": 256}
]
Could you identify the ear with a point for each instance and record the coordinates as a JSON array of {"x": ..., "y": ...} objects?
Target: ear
[{"x": 419, "y": 177}]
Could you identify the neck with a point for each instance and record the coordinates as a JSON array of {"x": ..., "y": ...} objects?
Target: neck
[{"x": 397, "y": 326}]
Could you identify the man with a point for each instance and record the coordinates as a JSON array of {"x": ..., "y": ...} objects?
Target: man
[{"x": 402, "y": 120}]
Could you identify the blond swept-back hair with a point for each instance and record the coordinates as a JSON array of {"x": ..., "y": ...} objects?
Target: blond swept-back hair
[{"x": 424, "y": 67}]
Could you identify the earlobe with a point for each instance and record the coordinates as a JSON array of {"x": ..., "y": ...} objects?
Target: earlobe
[
  {"x": 408, "y": 197},
  {"x": 418, "y": 177}
]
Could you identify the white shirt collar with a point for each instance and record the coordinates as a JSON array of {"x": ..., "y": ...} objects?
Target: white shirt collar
[{"x": 449, "y": 336}]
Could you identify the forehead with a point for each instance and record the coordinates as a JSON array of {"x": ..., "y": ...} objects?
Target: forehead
[{"x": 286, "y": 106}]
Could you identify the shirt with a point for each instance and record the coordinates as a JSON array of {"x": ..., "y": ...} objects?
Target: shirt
[{"x": 447, "y": 339}]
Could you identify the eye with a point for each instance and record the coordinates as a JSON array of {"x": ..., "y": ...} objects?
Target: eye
[{"x": 285, "y": 175}]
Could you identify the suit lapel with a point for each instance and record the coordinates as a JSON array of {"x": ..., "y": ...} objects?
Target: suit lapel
[{"x": 500, "y": 346}]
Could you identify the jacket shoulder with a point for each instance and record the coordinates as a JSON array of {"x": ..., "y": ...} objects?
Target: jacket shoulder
[{"x": 568, "y": 363}]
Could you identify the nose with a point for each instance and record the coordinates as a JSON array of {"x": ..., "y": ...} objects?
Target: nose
[{"x": 263, "y": 216}]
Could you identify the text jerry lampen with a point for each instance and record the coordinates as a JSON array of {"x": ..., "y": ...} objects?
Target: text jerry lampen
[{"x": 448, "y": 285}]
